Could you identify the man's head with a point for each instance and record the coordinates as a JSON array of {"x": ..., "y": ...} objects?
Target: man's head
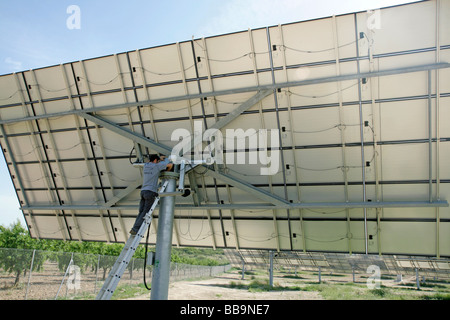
[{"x": 154, "y": 158}]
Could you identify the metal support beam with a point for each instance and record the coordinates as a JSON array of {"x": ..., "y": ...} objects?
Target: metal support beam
[
  {"x": 257, "y": 206},
  {"x": 182, "y": 175},
  {"x": 194, "y": 187},
  {"x": 257, "y": 192},
  {"x": 158, "y": 147},
  {"x": 239, "y": 110},
  {"x": 161, "y": 270},
  {"x": 325, "y": 205},
  {"x": 354, "y": 76},
  {"x": 122, "y": 194},
  {"x": 361, "y": 134},
  {"x": 229, "y": 118}
]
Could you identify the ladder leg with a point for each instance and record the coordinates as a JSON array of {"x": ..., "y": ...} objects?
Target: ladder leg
[{"x": 127, "y": 253}]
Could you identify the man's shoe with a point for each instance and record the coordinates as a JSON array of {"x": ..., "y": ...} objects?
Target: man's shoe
[{"x": 132, "y": 232}]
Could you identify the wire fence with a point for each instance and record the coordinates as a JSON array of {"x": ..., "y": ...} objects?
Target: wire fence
[
  {"x": 355, "y": 264},
  {"x": 42, "y": 275}
]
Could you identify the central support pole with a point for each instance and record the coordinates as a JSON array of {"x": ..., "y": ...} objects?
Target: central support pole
[{"x": 161, "y": 270}]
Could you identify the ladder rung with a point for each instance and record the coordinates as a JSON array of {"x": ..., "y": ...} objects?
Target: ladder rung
[{"x": 127, "y": 253}]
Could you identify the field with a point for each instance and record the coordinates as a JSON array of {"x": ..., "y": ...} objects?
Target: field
[
  {"x": 193, "y": 283},
  {"x": 303, "y": 286}
]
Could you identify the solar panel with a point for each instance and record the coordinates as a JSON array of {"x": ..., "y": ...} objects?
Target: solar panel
[
  {"x": 430, "y": 267},
  {"x": 332, "y": 134}
]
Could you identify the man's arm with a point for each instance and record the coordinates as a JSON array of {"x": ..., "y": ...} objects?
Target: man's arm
[{"x": 166, "y": 162}]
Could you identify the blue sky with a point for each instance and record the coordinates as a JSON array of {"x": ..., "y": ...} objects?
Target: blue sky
[{"x": 34, "y": 34}]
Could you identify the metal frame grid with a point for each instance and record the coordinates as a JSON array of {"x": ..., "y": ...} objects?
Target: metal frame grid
[
  {"x": 341, "y": 263},
  {"x": 363, "y": 142}
]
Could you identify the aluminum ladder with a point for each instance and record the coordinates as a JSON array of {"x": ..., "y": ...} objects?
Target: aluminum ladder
[{"x": 127, "y": 253}]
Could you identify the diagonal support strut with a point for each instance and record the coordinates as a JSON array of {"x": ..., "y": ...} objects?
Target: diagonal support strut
[{"x": 158, "y": 147}]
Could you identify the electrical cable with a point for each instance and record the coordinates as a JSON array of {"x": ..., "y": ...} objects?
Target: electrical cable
[
  {"x": 129, "y": 157},
  {"x": 145, "y": 258},
  {"x": 9, "y": 97}
]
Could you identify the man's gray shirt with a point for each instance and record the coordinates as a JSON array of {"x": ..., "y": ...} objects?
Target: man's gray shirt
[{"x": 151, "y": 175}]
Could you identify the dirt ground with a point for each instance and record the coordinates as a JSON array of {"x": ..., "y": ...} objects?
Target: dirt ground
[
  {"x": 215, "y": 289},
  {"x": 46, "y": 284},
  {"x": 218, "y": 289}
]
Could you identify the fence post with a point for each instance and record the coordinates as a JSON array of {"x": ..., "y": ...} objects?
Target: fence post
[
  {"x": 417, "y": 279},
  {"x": 96, "y": 274},
  {"x": 29, "y": 276},
  {"x": 67, "y": 270},
  {"x": 320, "y": 275}
]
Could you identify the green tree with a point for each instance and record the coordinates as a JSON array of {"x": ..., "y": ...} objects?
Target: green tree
[
  {"x": 15, "y": 237},
  {"x": 18, "y": 260}
]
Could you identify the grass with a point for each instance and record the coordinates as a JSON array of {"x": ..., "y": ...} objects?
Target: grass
[
  {"x": 352, "y": 291},
  {"x": 260, "y": 286},
  {"x": 437, "y": 296},
  {"x": 122, "y": 292},
  {"x": 129, "y": 291},
  {"x": 348, "y": 291},
  {"x": 334, "y": 290},
  {"x": 331, "y": 289}
]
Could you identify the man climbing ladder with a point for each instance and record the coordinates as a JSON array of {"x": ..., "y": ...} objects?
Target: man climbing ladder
[
  {"x": 149, "y": 187},
  {"x": 148, "y": 203}
]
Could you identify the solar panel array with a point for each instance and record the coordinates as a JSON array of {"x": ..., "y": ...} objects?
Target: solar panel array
[
  {"x": 349, "y": 111},
  {"x": 428, "y": 267}
]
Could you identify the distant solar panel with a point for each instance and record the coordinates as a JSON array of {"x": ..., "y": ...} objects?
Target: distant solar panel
[
  {"x": 333, "y": 135},
  {"x": 429, "y": 267}
]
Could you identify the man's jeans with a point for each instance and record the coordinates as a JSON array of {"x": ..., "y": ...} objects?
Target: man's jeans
[{"x": 147, "y": 199}]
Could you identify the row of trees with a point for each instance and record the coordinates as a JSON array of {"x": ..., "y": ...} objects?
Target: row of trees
[
  {"x": 17, "y": 237},
  {"x": 85, "y": 254},
  {"x": 18, "y": 249}
]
